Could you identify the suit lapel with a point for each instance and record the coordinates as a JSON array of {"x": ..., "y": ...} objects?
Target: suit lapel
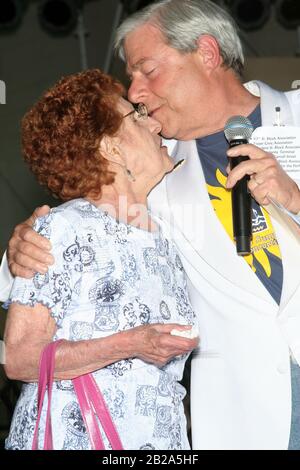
[
  {"x": 270, "y": 100},
  {"x": 288, "y": 236}
]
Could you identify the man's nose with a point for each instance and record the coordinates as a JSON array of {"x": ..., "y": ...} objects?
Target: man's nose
[{"x": 137, "y": 91}]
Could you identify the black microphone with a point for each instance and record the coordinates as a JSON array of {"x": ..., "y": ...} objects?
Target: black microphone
[{"x": 238, "y": 130}]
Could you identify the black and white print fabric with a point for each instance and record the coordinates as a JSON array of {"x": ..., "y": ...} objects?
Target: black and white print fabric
[{"x": 108, "y": 277}]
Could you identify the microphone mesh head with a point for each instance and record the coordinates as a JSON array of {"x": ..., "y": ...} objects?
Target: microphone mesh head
[{"x": 238, "y": 127}]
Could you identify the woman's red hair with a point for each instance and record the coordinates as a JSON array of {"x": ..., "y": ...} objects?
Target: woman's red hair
[{"x": 61, "y": 134}]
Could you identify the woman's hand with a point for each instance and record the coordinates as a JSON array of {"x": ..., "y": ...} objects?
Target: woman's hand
[
  {"x": 28, "y": 252},
  {"x": 154, "y": 343}
]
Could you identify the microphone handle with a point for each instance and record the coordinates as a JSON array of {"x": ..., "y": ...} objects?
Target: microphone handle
[{"x": 241, "y": 207}]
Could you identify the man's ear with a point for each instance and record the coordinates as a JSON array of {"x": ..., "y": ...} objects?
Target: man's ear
[
  {"x": 110, "y": 150},
  {"x": 209, "y": 50}
]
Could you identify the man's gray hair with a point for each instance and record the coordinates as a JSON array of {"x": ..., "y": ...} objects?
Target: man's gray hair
[{"x": 182, "y": 22}]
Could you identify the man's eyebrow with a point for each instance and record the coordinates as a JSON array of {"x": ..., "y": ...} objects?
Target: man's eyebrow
[{"x": 137, "y": 64}]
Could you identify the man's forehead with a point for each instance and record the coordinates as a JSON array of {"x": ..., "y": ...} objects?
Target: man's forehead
[{"x": 140, "y": 45}]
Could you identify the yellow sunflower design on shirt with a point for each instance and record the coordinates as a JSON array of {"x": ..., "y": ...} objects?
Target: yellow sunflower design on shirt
[{"x": 264, "y": 240}]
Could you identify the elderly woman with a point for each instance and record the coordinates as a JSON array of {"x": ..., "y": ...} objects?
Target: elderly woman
[{"x": 117, "y": 287}]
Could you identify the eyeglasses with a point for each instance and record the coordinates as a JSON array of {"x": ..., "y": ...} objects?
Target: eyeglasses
[{"x": 140, "y": 113}]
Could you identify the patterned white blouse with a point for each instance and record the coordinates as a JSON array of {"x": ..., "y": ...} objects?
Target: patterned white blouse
[{"x": 108, "y": 277}]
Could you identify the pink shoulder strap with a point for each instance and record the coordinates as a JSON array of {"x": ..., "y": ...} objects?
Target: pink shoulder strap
[
  {"x": 98, "y": 406},
  {"x": 46, "y": 373},
  {"x": 90, "y": 399}
]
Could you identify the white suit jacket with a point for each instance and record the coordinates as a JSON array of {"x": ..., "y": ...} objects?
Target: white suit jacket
[{"x": 240, "y": 385}]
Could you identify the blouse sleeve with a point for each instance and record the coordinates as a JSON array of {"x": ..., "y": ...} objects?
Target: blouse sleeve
[{"x": 55, "y": 289}]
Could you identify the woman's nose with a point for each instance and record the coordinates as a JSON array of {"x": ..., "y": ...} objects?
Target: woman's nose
[{"x": 154, "y": 125}]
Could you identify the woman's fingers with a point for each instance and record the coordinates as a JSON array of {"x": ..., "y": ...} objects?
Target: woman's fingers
[{"x": 159, "y": 346}]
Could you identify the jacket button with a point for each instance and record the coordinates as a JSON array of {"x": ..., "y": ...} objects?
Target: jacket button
[{"x": 283, "y": 368}]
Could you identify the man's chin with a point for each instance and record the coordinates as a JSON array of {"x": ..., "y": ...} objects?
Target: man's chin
[{"x": 167, "y": 134}]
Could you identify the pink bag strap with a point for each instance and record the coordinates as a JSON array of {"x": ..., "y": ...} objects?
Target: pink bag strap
[
  {"x": 88, "y": 414},
  {"x": 100, "y": 408},
  {"x": 90, "y": 399},
  {"x": 46, "y": 373},
  {"x": 41, "y": 394}
]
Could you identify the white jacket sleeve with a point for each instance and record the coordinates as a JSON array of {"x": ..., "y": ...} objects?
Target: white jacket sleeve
[{"x": 6, "y": 280}]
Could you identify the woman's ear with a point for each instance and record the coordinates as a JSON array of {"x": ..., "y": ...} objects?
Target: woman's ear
[
  {"x": 209, "y": 50},
  {"x": 110, "y": 150}
]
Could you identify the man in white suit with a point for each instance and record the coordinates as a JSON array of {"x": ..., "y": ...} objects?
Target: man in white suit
[{"x": 184, "y": 58}]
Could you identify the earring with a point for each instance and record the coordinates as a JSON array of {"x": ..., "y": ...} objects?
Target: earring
[
  {"x": 128, "y": 172},
  {"x": 130, "y": 175}
]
